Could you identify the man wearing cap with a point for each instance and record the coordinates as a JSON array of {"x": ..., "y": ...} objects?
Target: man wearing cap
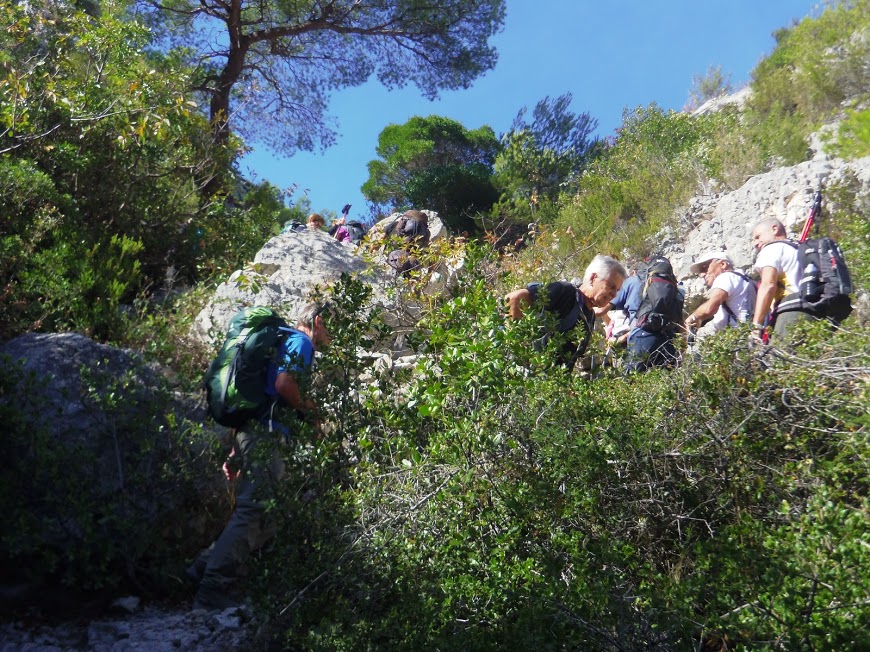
[{"x": 732, "y": 295}]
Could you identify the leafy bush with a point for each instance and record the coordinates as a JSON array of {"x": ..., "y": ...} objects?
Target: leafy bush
[
  {"x": 631, "y": 191},
  {"x": 803, "y": 82},
  {"x": 105, "y": 508},
  {"x": 853, "y": 136},
  {"x": 494, "y": 501},
  {"x": 105, "y": 157}
]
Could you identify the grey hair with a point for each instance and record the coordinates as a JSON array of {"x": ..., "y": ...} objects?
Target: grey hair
[
  {"x": 605, "y": 267},
  {"x": 310, "y": 312},
  {"x": 769, "y": 221}
]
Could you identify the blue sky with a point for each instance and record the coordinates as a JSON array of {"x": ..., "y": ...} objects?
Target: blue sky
[{"x": 609, "y": 54}]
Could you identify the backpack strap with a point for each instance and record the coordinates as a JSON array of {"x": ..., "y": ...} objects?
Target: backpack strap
[
  {"x": 730, "y": 312},
  {"x": 740, "y": 274},
  {"x": 774, "y": 309},
  {"x": 787, "y": 241},
  {"x": 570, "y": 320}
]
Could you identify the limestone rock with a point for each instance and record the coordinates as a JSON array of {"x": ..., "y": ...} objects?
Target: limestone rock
[
  {"x": 283, "y": 275},
  {"x": 736, "y": 99},
  {"x": 718, "y": 222},
  {"x": 290, "y": 266},
  {"x": 95, "y": 463}
]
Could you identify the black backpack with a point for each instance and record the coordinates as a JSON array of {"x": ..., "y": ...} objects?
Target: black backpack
[
  {"x": 410, "y": 229},
  {"x": 824, "y": 283},
  {"x": 356, "y": 230},
  {"x": 661, "y": 309},
  {"x": 293, "y": 225},
  {"x": 235, "y": 382}
]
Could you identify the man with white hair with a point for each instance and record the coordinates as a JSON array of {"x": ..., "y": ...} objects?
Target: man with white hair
[
  {"x": 732, "y": 295},
  {"x": 571, "y": 305}
]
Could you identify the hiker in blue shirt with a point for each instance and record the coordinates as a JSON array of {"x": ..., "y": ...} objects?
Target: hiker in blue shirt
[
  {"x": 573, "y": 306},
  {"x": 255, "y": 462},
  {"x": 627, "y": 300}
]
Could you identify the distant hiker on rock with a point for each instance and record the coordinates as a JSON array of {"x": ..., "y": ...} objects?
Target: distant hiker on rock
[
  {"x": 412, "y": 228},
  {"x": 731, "y": 301},
  {"x": 339, "y": 231},
  {"x": 573, "y": 307},
  {"x": 659, "y": 318},
  {"x": 293, "y": 226},
  {"x": 254, "y": 459},
  {"x": 343, "y": 230},
  {"x": 316, "y": 221}
]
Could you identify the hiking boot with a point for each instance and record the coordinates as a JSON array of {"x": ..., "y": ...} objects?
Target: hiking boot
[
  {"x": 213, "y": 601},
  {"x": 193, "y": 573}
]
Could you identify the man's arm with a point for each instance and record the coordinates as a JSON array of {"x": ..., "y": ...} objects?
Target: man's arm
[
  {"x": 766, "y": 292},
  {"x": 288, "y": 389},
  {"x": 707, "y": 309},
  {"x": 517, "y": 301}
]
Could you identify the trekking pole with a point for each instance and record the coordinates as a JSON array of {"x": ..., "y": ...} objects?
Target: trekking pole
[
  {"x": 345, "y": 211},
  {"x": 814, "y": 213}
]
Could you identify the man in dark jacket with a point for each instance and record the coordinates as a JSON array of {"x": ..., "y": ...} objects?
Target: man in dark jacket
[{"x": 573, "y": 306}]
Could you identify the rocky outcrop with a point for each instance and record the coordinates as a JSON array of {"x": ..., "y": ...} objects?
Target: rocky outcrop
[
  {"x": 283, "y": 275},
  {"x": 736, "y": 100},
  {"x": 92, "y": 446},
  {"x": 64, "y": 403},
  {"x": 290, "y": 267},
  {"x": 725, "y": 221}
]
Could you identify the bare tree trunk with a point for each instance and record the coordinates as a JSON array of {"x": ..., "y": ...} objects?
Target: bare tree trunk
[{"x": 219, "y": 108}]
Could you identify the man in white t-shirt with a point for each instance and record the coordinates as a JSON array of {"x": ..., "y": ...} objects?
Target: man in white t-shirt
[
  {"x": 777, "y": 262},
  {"x": 732, "y": 295}
]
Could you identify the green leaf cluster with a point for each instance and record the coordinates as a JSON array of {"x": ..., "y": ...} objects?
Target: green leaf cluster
[
  {"x": 493, "y": 501},
  {"x": 437, "y": 164},
  {"x": 628, "y": 194},
  {"x": 104, "y": 157}
]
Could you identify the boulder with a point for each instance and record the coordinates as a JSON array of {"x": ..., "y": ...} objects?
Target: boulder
[
  {"x": 100, "y": 462},
  {"x": 717, "y": 222},
  {"x": 291, "y": 266},
  {"x": 283, "y": 275}
]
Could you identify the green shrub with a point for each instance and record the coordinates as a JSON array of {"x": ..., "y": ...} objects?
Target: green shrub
[
  {"x": 632, "y": 190},
  {"x": 496, "y": 501},
  {"x": 113, "y": 507},
  {"x": 812, "y": 69}
]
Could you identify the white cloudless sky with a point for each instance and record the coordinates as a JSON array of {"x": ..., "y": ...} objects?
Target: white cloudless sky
[{"x": 609, "y": 54}]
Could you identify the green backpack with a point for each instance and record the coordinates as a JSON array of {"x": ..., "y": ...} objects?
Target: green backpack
[{"x": 235, "y": 382}]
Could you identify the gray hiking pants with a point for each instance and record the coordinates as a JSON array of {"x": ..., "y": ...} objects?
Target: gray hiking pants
[
  {"x": 262, "y": 467},
  {"x": 786, "y": 320}
]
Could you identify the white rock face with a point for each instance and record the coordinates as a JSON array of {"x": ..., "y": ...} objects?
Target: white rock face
[
  {"x": 726, "y": 221},
  {"x": 290, "y": 266},
  {"x": 284, "y": 273},
  {"x": 737, "y": 99}
]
